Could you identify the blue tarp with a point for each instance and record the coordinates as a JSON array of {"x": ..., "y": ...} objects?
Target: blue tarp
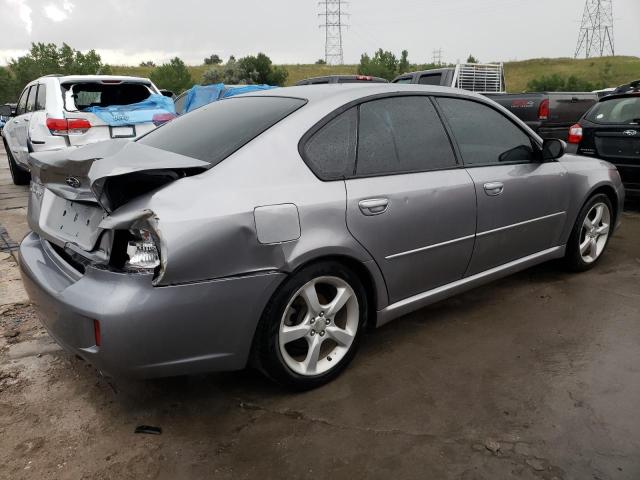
[
  {"x": 141, "y": 112},
  {"x": 200, "y": 95}
]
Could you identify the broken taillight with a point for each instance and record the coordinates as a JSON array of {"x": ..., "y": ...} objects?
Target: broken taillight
[
  {"x": 161, "y": 118},
  {"x": 142, "y": 251}
]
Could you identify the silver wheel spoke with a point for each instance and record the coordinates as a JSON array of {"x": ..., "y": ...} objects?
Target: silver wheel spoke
[
  {"x": 598, "y": 217},
  {"x": 584, "y": 246},
  {"x": 593, "y": 248},
  {"x": 342, "y": 297},
  {"x": 587, "y": 223},
  {"x": 603, "y": 230},
  {"x": 341, "y": 336},
  {"x": 310, "y": 296},
  {"x": 290, "y": 334},
  {"x": 313, "y": 354}
]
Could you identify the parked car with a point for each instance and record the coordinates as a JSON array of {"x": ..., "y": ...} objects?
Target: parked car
[
  {"x": 611, "y": 131},
  {"x": 549, "y": 114},
  {"x": 274, "y": 227},
  {"x": 475, "y": 77},
  {"x": 52, "y": 114},
  {"x": 341, "y": 79}
]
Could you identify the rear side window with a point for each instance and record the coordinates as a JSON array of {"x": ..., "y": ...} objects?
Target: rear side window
[
  {"x": 41, "y": 99},
  {"x": 430, "y": 79},
  {"x": 401, "y": 135},
  {"x": 331, "y": 151},
  {"x": 215, "y": 131},
  {"x": 484, "y": 136},
  {"x": 80, "y": 96},
  {"x": 22, "y": 103},
  {"x": 619, "y": 110},
  {"x": 31, "y": 99}
]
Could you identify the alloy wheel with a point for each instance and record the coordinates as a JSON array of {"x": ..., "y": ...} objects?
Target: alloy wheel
[
  {"x": 319, "y": 325},
  {"x": 595, "y": 232}
]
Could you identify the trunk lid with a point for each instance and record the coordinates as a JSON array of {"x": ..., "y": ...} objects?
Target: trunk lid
[{"x": 74, "y": 190}]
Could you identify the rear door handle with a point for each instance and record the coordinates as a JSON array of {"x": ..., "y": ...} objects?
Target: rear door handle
[
  {"x": 373, "y": 206},
  {"x": 493, "y": 188}
]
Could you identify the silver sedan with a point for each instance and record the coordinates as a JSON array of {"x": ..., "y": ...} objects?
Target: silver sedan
[{"x": 274, "y": 228}]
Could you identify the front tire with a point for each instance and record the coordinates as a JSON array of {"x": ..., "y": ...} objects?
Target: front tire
[
  {"x": 19, "y": 175},
  {"x": 310, "y": 330},
  {"x": 590, "y": 235}
]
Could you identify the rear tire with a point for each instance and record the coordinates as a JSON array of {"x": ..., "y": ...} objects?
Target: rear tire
[
  {"x": 19, "y": 175},
  {"x": 311, "y": 328},
  {"x": 590, "y": 235}
]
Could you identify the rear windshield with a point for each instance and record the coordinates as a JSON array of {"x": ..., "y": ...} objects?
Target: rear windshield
[
  {"x": 215, "y": 131},
  {"x": 620, "y": 110},
  {"x": 80, "y": 96}
]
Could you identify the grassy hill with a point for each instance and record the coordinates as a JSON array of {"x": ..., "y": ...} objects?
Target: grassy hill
[{"x": 610, "y": 71}]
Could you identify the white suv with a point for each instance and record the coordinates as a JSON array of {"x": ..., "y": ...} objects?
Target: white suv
[{"x": 50, "y": 115}]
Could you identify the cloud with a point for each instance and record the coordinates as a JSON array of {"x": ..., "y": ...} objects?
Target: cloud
[
  {"x": 58, "y": 13},
  {"x": 23, "y": 10}
]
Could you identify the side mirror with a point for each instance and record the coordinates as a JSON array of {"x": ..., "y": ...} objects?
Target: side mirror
[
  {"x": 167, "y": 93},
  {"x": 6, "y": 111},
  {"x": 552, "y": 149}
]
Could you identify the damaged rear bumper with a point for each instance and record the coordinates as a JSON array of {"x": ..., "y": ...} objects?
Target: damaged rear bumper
[{"x": 146, "y": 331}]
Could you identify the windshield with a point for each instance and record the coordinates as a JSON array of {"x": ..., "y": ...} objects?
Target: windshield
[
  {"x": 619, "y": 110},
  {"x": 213, "y": 132}
]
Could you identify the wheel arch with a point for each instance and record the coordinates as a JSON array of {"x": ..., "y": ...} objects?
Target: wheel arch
[{"x": 611, "y": 194}]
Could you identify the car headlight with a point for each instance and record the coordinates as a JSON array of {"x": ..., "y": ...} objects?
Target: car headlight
[{"x": 142, "y": 251}]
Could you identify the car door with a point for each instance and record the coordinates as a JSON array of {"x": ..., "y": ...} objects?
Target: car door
[
  {"x": 20, "y": 129},
  {"x": 409, "y": 203},
  {"x": 13, "y": 129},
  {"x": 522, "y": 201}
]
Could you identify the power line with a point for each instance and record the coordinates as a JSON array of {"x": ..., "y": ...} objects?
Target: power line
[
  {"x": 334, "y": 15},
  {"x": 596, "y": 31}
]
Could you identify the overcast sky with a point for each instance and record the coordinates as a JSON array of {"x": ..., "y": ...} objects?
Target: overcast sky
[{"x": 130, "y": 31}]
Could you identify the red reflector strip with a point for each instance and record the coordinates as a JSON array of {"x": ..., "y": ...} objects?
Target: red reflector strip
[{"x": 96, "y": 331}]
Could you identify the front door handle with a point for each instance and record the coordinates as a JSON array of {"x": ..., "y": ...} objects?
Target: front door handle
[
  {"x": 493, "y": 188},
  {"x": 373, "y": 206}
]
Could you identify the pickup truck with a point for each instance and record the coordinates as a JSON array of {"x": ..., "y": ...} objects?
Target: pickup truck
[
  {"x": 549, "y": 114},
  {"x": 475, "y": 77}
]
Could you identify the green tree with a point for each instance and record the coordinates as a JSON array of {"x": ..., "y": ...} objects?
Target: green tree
[
  {"x": 557, "y": 83},
  {"x": 403, "y": 64},
  {"x": 383, "y": 64},
  {"x": 472, "y": 59},
  {"x": 48, "y": 58},
  {"x": 248, "y": 70},
  {"x": 148, "y": 64},
  {"x": 321, "y": 61},
  {"x": 213, "y": 60},
  {"x": 8, "y": 88},
  {"x": 173, "y": 76}
]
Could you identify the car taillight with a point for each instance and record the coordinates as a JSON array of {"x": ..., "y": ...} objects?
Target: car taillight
[
  {"x": 161, "y": 118},
  {"x": 543, "y": 110},
  {"x": 364, "y": 78},
  {"x": 142, "y": 251},
  {"x": 68, "y": 126},
  {"x": 575, "y": 134}
]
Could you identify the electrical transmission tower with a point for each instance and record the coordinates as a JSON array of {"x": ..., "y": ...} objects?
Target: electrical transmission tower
[
  {"x": 333, "y": 15},
  {"x": 437, "y": 57},
  {"x": 596, "y": 31}
]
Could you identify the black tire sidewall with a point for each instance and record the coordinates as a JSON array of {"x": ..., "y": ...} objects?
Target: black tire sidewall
[
  {"x": 573, "y": 257},
  {"x": 266, "y": 345},
  {"x": 18, "y": 175}
]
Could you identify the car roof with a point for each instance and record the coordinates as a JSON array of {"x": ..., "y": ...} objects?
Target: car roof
[
  {"x": 98, "y": 78},
  {"x": 345, "y": 92},
  {"x": 614, "y": 96}
]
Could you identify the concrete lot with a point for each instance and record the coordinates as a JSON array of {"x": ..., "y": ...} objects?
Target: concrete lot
[{"x": 533, "y": 377}]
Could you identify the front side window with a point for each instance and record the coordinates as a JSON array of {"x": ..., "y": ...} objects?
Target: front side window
[
  {"x": 41, "y": 99},
  {"x": 401, "y": 135},
  {"x": 485, "y": 136},
  {"x": 22, "y": 103},
  {"x": 213, "y": 132},
  {"x": 331, "y": 151},
  {"x": 31, "y": 99}
]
